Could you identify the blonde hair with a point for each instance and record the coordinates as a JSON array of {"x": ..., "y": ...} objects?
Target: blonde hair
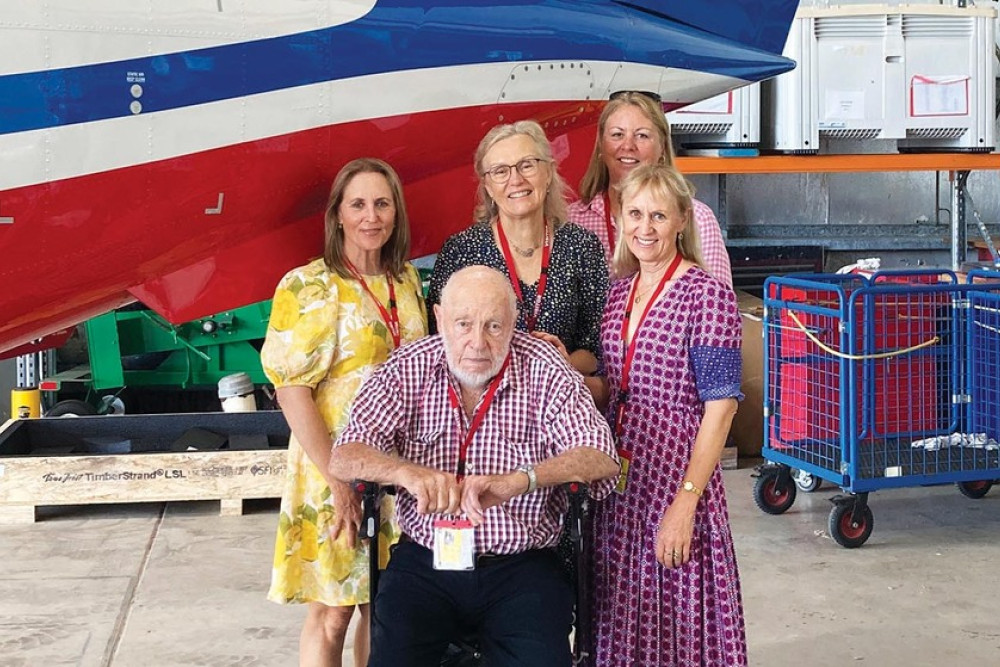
[
  {"x": 555, "y": 198},
  {"x": 394, "y": 253},
  {"x": 662, "y": 182},
  {"x": 596, "y": 179}
]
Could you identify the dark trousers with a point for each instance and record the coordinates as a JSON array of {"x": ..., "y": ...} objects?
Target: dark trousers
[{"x": 518, "y": 608}]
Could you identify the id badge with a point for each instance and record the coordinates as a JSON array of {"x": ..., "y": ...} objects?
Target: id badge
[
  {"x": 454, "y": 545},
  {"x": 626, "y": 459}
]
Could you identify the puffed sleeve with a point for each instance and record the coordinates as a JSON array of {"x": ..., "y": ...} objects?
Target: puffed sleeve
[
  {"x": 448, "y": 261},
  {"x": 715, "y": 344},
  {"x": 302, "y": 332},
  {"x": 593, "y": 286}
]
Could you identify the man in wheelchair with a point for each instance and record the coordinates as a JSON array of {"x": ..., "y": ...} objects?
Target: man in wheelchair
[{"x": 477, "y": 427}]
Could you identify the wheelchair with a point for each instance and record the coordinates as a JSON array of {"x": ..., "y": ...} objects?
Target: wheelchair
[{"x": 464, "y": 652}]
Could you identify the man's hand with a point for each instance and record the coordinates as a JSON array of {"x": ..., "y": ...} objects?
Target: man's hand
[
  {"x": 436, "y": 492},
  {"x": 479, "y": 493},
  {"x": 346, "y": 512}
]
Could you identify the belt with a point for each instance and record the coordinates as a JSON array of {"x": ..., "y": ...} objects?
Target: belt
[{"x": 483, "y": 559}]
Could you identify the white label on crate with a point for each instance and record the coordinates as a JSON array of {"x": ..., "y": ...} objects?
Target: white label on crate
[
  {"x": 939, "y": 95},
  {"x": 2, "y": 469},
  {"x": 894, "y": 471},
  {"x": 844, "y": 105}
]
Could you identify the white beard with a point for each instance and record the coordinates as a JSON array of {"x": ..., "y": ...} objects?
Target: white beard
[{"x": 473, "y": 380}]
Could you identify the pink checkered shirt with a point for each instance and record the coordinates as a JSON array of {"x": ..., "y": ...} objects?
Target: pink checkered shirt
[
  {"x": 590, "y": 216},
  {"x": 542, "y": 408}
]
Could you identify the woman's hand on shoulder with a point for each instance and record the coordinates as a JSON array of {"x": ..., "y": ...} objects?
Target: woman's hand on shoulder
[{"x": 553, "y": 340}]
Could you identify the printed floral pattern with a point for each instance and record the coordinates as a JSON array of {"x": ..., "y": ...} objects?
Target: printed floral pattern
[{"x": 327, "y": 334}]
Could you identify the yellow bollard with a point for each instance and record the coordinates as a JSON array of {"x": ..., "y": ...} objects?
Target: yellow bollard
[{"x": 25, "y": 403}]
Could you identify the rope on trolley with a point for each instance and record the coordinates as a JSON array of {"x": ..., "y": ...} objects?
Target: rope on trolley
[{"x": 860, "y": 357}]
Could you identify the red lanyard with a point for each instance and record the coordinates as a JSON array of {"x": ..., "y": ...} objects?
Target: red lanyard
[
  {"x": 477, "y": 418},
  {"x": 390, "y": 317},
  {"x": 609, "y": 223},
  {"x": 543, "y": 278},
  {"x": 630, "y": 344}
]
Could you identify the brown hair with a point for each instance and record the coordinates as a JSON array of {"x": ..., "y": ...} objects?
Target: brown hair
[
  {"x": 394, "y": 253},
  {"x": 596, "y": 179},
  {"x": 555, "y": 198},
  {"x": 666, "y": 183}
]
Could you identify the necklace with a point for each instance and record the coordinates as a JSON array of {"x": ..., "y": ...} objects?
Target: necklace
[
  {"x": 524, "y": 252},
  {"x": 641, "y": 294}
]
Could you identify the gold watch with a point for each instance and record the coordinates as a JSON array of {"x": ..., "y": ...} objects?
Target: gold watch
[{"x": 689, "y": 486}]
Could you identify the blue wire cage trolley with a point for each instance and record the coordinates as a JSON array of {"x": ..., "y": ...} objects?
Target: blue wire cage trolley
[{"x": 876, "y": 382}]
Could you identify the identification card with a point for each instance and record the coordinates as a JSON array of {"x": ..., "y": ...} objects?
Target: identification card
[
  {"x": 454, "y": 545},
  {"x": 626, "y": 459}
]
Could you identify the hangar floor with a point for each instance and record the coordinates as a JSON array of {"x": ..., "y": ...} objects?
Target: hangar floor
[{"x": 176, "y": 584}]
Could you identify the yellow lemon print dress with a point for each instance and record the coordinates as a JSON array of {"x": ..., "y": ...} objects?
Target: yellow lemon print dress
[{"x": 327, "y": 334}]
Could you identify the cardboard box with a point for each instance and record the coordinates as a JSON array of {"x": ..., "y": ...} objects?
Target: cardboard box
[{"x": 747, "y": 431}]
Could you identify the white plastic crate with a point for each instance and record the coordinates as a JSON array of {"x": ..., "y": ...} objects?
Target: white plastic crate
[
  {"x": 919, "y": 74},
  {"x": 730, "y": 120}
]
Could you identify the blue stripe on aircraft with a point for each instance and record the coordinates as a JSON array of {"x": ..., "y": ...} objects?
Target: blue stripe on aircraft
[{"x": 394, "y": 36}]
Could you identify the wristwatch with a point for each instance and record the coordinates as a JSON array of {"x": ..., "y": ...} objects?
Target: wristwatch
[
  {"x": 532, "y": 478},
  {"x": 689, "y": 486}
]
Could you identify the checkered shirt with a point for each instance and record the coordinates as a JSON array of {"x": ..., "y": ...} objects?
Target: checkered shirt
[
  {"x": 541, "y": 408},
  {"x": 590, "y": 216}
]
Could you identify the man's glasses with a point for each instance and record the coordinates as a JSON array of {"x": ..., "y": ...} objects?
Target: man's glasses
[
  {"x": 623, "y": 94},
  {"x": 527, "y": 167}
]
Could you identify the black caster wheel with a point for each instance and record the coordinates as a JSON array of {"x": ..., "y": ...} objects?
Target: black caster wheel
[
  {"x": 71, "y": 408},
  {"x": 975, "y": 490},
  {"x": 769, "y": 499},
  {"x": 849, "y": 532}
]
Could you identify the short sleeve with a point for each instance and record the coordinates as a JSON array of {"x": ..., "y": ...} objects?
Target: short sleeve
[
  {"x": 715, "y": 344},
  {"x": 377, "y": 412},
  {"x": 593, "y": 287},
  {"x": 302, "y": 332}
]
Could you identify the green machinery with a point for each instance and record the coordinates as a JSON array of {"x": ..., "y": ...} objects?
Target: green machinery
[{"x": 137, "y": 348}]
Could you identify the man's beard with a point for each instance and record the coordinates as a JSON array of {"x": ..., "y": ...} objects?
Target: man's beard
[{"x": 473, "y": 380}]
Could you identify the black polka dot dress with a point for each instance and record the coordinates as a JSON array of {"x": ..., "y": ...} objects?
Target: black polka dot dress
[{"x": 577, "y": 287}]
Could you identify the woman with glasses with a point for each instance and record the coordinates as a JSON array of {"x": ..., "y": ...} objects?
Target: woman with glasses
[
  {"x": 558, "y": 271},
  {"x": 633, "y": 131}
]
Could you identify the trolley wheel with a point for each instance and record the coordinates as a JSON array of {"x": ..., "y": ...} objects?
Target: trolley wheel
[
  {"x": 975, "y": 490},
  {"x": 769, "y": 499},
  {"x": 71, "y": 408},
  {"x": 807, "y": 482},
  {"x": 847, "y": 532}
]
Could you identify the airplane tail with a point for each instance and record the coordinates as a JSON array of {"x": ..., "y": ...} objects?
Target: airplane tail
[{"x": 761, "y": 24}]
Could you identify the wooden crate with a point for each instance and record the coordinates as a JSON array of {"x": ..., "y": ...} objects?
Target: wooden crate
[{"x": 58, "y": 462}]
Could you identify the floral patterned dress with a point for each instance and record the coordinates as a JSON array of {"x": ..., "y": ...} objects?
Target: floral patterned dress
[
  {"x": 687, "y": 353},
  {"x": 326, "y": 333}
]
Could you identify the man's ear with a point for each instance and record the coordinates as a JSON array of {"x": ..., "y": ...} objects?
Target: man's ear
[{"x": 437, "y": 314}]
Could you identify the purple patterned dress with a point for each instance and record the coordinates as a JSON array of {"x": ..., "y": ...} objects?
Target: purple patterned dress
[{"x": 687, "y": 352}]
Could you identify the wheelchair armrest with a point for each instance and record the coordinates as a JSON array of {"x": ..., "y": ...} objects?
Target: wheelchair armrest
[
  {"x": 579, "y": 497},
  {"x": 370, "y": 493}
]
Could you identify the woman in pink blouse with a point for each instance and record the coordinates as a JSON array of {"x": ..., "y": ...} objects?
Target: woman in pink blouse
[{"x": 633, "y": 131}]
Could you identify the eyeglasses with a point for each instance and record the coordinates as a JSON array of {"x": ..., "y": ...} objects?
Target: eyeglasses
[
  {"x": 623, "y": 94},
  {"x": 527, "y": 167}
]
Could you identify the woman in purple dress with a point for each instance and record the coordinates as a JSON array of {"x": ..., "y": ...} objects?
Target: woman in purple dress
[{"x": 665, "y": 582}]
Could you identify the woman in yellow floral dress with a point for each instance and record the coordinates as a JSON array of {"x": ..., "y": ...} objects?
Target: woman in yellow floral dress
[{"x": 332, "y": 321}]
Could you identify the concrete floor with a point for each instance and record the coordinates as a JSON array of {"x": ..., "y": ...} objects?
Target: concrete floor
[{"x": 155, "y": 585}]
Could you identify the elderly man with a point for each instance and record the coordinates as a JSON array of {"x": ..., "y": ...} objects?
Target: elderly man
[{"x": 476, "y": 427}]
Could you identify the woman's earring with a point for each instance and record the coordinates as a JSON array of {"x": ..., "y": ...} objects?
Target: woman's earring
[{"x": 680, "y": 236}]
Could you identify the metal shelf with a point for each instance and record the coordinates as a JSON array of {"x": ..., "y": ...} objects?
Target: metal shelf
[
  {"x": 958, "y": 166},
  {"x": 790, "y": 164}
]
